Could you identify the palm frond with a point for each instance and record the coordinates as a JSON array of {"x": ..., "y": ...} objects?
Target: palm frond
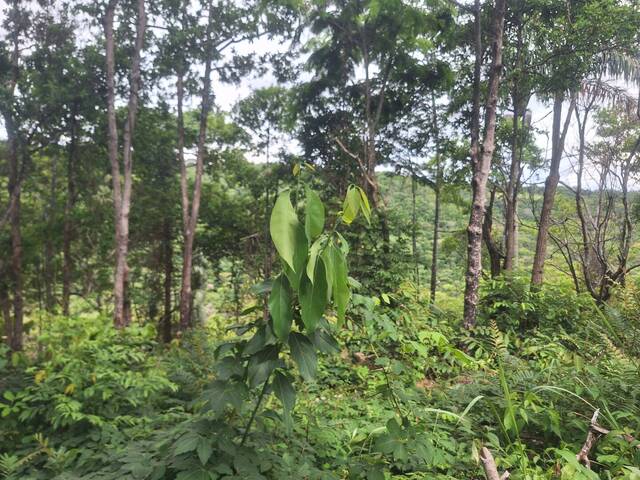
[{"x": 610, "y": 94}]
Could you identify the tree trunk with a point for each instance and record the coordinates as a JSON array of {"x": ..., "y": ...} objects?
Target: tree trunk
[
  {"x": 414, "y": 234},
  {"x": 190, "y": 218},
  {"x": 49, "y": 253},
  {"x": 550, "y": 187},
  {"x": 16, "y": 250},
  {"x": 515, "y": 170},
  {"x": 14, "y": 148},
  {"x": 495, "y": 255},
  {"x": 482, "y": 160},
  {"x": 434, "y": 244},
  {"x": 68, "y": 229},
  {"x": 266, "y": 243},
  {"x": 437, "y": 192},
  {"x": 122, "y": 192},
  {"x": 5, "y": 306},
  {"x": 511, "y": 194},
  {"x": 167, "y": 260}
]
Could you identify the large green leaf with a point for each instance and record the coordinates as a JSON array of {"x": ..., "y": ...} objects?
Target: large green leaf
[
  {"x": 314, "y": 257},
  {"x": 325, "y": 342},
  {"x": 280, "y": 307},
  {"x": 186, "y": 443},
  {"x": 222, "y": 393},
  {"x": 263, "y": 337},
  {"x": 340, "y": 288},
  {"x": 364, "y": 205},
  {"x": 304, "y": 355},
  {"x": 327, "y": 259},
  {"x": 314, "y": 215},
  {"x": 299, "y": 259},
  {"x": 204, "y": 450},
  {"x": 313, "y": 298},
  {"x": 351, "y": 205},
  {"x": 199, "y": 474},
  {"x": 283, "y": 388},
  {"x": 261, "y": 365},
  {"x": 283, "y": 227}
]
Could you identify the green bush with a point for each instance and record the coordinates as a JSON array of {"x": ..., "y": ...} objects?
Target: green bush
[{"x": 93, "y": 383}]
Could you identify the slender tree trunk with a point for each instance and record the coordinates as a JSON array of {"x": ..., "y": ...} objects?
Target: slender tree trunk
[
  {"x": 49, "y": 254},
  {"x": 515, "y": 170},
  {"x": 122, "y": 189},
  {"x": 414, "y": 234},
  {"x": 267, "y": 237},
  {"x": 551, "y": 184},
  {"x": 5, "y": 306},
  {"x": 436, "y": 216},
  {"x": 511, "y": 201},
  {"x": 191, "y": 219},
  {"x": 167, "y": 260},
  {"x": 14, "y": 186},
  {"x": 584, "y": 227},
  {"x": 16, "y": 251},
  {"x": 482, "y": 160},
  {"x": 68, "y": 229},
  {"x": 434, "y": 244},
  {"x": 372, "y": 118},
  {"x": 495, "y": 256}
]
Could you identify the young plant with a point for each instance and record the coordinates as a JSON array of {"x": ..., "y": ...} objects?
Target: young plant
[{"x": 313, "y": 281}]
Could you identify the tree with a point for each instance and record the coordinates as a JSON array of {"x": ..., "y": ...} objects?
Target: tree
[
  {"x": 481, "y": 156},
  {"x": 520, "y": 93},
  {"x": 265, "y": 114},
  {"x": 573, "y": 53},
  {"x": 188, "y": 45},
  {"x": 17, "y": 153},
  {"x": 605, "y": 222},
  {"x": 122, "y": 188},
  {"x": 368, "y": 52}
]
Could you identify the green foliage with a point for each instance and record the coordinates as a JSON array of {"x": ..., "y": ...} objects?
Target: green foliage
[{"x": 512, "y": 304}]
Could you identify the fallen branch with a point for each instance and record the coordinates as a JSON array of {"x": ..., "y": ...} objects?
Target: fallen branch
[
  {"x": 593, "y": 435},
  {"x": 490, "y": 468}
]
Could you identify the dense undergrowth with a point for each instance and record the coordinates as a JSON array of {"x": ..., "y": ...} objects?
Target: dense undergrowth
[{"x": 402, "y": 393}]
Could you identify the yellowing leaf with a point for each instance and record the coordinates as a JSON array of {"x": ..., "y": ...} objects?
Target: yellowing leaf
[{"x": 40, "y": 376}]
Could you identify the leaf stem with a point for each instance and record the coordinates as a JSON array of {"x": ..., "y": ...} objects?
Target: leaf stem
[{"x": 255, "y": 411}]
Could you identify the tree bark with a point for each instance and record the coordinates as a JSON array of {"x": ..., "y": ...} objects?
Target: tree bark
[
  {"x": 482, "y": 160},
  {"x": 414, "y": 234},
  {"x": 14, "y": 186},
  {"x": 513, "y": 184},
  {"x": 559, "y": 134},
  {"x": 5, "y": 306},
  {"x": 519, "y": 100},
  {"x": 266, "y": 243},
  {"x": 68, "y": 230},
  {"x": 49, "y": 253},
  {"x": 495, "y": 255},
  {"x": 122, "y": 190},
  {"x": 16, "y": 249},
  {"x": 190, "y": 216},
  {"x": 433, "y": 281},
  {"x": 489, "y": 465},
  {"x": 167, "y": 260}
]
